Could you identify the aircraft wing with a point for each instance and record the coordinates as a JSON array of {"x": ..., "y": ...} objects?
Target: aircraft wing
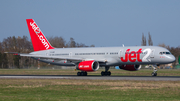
[{"x": 53, "y": 57}]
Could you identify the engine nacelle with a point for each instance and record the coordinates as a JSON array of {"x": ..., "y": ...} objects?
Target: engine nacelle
[
  {"x": 88, "y": 66},
  {"x": 130, "y": 67}
]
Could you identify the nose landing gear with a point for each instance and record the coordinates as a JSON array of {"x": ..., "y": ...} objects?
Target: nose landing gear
[{"x": 154, "y": 73}]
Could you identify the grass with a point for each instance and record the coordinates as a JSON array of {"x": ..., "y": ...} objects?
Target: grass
[
  {"x": 142, "y": 72},
  {"x": 87, "y": 90}
]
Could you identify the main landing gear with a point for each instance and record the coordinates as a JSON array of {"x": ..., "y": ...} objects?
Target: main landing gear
[
  {"x": 106, "y": 72},
  {"x": 81, "y": 73}
]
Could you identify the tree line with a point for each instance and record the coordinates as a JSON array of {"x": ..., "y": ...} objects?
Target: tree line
[{"x": 24, "y": 45}]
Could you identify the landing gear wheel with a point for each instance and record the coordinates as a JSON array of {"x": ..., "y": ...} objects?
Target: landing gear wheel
[
  {"x": 102, "y": 73},
  {"x": 105, "y": 73},
  {"x": 85, "y": 74},
  {"x": 154, "y": 74},
  {"x": 81, "y": 73},
  {"x": 109, "y": 73},
  {"x": 78, "y": 73}
]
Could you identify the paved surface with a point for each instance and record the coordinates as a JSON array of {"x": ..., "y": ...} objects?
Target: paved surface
[{"x": 158, "y": 78}]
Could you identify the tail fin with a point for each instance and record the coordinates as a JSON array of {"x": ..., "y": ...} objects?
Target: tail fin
[{"x": 38, "y": 39}]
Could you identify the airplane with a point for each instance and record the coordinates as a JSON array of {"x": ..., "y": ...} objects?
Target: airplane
[{"x": 91, "y": 58}]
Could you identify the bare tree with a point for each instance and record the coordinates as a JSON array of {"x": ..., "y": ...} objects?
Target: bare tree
[
  {"x": 165, "y": 46},
  {"x": 4, "y": 61},
  {"x": 57, "y": 42},
  {"x": 81, "y": 45},
  {"x": 150, "y": 40},
  {"x": 1, "y": 47},
  {"x": 71, "y": 43},
  {"x": 143, "y": 43},
  {"x": 92, "y": 46},
  {"x": 1, "y": 59},
  {"x": 8, "y": 46},
  {"x": 20, "y": 45}
]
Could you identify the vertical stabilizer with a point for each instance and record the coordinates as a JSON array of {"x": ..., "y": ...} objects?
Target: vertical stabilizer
[{"x": 38, "y": 39}]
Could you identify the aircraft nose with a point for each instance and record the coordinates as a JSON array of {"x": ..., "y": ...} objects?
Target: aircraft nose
[
  {"x": 173, "y": 58},
  {"x": 170, "y": 58}
]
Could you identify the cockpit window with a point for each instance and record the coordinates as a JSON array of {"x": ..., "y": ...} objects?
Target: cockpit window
[
  {"x": 164, "y": 53},
  {"x": 168, "y": 53}
]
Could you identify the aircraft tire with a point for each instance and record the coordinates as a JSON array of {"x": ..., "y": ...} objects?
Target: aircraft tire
[
  {"x": 85, "y": 73},
  {"x": 78, "y": 73},
  {"x": 102, "y": 73},
  {"x": 81, "y": 73},
  {"x": 154, "y": 74},
  {"x": 105, "y": 73},
  {"x": 109, "y": 73}
]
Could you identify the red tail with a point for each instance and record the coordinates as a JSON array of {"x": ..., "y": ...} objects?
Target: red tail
[{"x": 39, "y": 41}]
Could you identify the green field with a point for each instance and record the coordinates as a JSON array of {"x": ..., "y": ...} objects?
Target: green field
[{"x": 88, "y": 90}]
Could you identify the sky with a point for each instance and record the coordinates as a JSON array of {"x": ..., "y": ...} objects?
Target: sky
[{"x": 103, "y": 23}]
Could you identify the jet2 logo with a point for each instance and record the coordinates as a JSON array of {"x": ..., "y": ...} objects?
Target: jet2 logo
[
  {"x": 146, "y": 57},
  {"x": 39, "y": 34},
  {"x": 135, "y": 56},
  {"x": 35, "y": 28}
]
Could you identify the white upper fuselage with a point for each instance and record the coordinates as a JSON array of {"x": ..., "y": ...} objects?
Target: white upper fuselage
[{"x": 108, "y": 56}]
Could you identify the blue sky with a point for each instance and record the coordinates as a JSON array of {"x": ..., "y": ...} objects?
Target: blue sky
[{"x": 99, "y": 22}]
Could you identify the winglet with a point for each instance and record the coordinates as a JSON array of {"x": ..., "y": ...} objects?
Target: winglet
[{"x": 38, "y": 39}]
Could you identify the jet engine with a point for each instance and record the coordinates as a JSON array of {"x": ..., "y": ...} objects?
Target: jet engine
[
  {"x": 88, "y": 66},
  {"x": 130, "y": 67}
]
